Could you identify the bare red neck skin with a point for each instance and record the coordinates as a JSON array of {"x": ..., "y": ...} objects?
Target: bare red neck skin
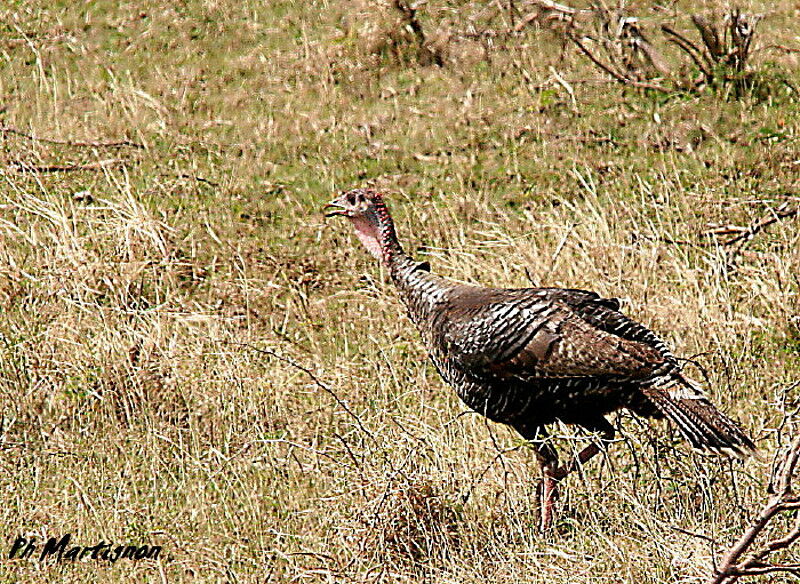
[
  {"x": 375, "y": 230},
  {"x": 369, "y": 235}
]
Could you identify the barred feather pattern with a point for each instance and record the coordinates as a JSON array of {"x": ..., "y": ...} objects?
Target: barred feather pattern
[{"x": 702, "y": 424}]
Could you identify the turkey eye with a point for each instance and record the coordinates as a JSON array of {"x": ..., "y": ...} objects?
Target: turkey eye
[{"x": 351, "y": 198}]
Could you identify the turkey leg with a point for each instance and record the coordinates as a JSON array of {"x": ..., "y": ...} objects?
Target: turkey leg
[{"x": 552, "y": 473}]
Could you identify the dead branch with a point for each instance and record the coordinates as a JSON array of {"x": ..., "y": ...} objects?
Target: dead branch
[
  {"x": 428, "y": 56},
  {"x": 740, "y": 241},
  {"x": 625, "y": 80},
  {"x": 742, "y": 29},
  {"x": 629, "y": 56},
  {"x": 653, "y": 57},
  {"x": 710, "y": 36},
  {"x": 729, "y": 46},
  {"x": 323, "y": 386},
  {"x": 192, "y": 177},
  {"x": 784, "y": 499},
  {"x": 670, "y": 240},
  {"x": 622, "y": 50},
  {"x": 695, "y": 54},
  {"x": 744, "y": 235},
  {"x": 118, "y": 144},
  {"x": 99, "y": 165}
]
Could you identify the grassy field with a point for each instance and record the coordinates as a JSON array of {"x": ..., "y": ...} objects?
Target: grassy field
[{"x": 191, "y": 356}]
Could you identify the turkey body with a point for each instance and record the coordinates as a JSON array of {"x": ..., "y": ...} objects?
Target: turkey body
[
  {"x": 528, "y": 357},
  {"x": 502, "y": 367}
]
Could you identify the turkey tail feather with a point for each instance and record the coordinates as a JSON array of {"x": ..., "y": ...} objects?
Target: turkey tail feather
[{"x": 703, "y": 425}]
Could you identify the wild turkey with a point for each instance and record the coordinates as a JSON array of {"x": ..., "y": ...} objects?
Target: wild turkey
[{"x": 531, "y": 356}]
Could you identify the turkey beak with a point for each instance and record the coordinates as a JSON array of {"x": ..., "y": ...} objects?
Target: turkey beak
[{"x": 337, "y": 208}]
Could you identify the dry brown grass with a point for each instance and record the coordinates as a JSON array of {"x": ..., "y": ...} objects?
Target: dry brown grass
[{"x": 139, "y": 296}]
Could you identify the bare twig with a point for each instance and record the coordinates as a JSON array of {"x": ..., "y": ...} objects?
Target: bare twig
[
  {"x": 499, "y": 456},
  {"x": 193, "y": 177},
  {"x": 784, "y": 499},
  {"x": 323, "y": 386},
  {"x": 784, "y": 211},
  {"x": 117, "y": 144},
  {"x": 623, "y": 51},
  {"x": 690, "y": 49},
  {"x": 563, "y": 83},
  {"x": 710, "y": 540},
  {"x": 742, "y": 30},
  {"x": 743, "y": 234},
  {"x": 710, "y": 36},
  {"x": 615, "y": 74},
  {"x": 653, "y": 57},
  {"x": 99, "y": 165}
]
